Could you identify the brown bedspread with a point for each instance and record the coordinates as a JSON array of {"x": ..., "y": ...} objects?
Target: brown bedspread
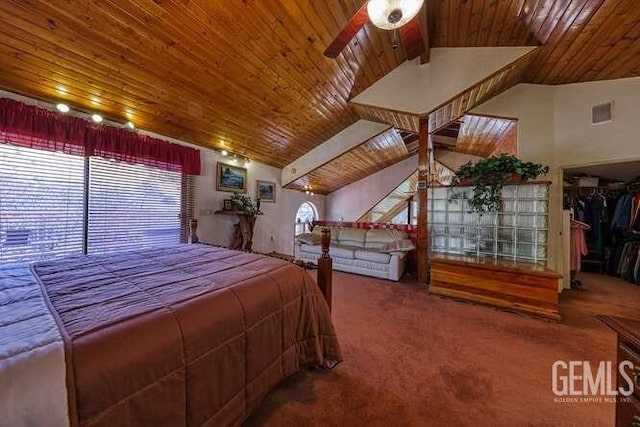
[{"x": 191, "y": 335}]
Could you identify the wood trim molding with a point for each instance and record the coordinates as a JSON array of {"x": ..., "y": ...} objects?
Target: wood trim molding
[{"x": 422, "y": 195}]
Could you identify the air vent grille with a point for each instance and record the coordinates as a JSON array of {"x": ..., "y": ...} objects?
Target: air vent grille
[{"x": 602, "y": 113}]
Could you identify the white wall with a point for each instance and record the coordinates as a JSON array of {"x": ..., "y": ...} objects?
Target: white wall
[
  {"x": 554, "y": 128},
  {"x": 278, "y": 221},
  {"x": 578, "y": 142},
  {"x": 351, "y": 202}
]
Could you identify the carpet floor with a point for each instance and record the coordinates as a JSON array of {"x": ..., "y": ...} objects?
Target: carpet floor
[{"x": 414, "y": 359}]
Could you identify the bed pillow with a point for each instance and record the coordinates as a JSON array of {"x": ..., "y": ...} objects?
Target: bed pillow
[{"x": 309, "y": 238}]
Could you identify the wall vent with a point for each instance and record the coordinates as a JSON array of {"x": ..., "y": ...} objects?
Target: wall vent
[{"x": 602, "y": 113}]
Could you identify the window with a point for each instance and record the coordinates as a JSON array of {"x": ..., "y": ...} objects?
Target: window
[
  {"x": 41, "y": 204},
  {"x": 43, "y": 196},
  {"x": 306, "y": 214},
  {"x": 132, "y": 206}
]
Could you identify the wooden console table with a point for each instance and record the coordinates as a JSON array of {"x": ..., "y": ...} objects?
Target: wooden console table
[
  {"x": 243, "y": 232},
  {"x": 517, "y": 286}
]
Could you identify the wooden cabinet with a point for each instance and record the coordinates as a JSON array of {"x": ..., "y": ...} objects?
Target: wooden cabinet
[
  {"x": 627, "y": 409},
  {"x": 517, "y": 286}
]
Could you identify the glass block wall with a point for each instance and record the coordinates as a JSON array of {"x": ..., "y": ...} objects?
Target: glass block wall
[{"x": 518, "y": 232}]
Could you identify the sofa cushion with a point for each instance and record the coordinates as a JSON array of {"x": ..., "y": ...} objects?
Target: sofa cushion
[
  {"x": 336, "y": 251},
  {"x": 335, "y": 232},
  {"x": 372, "y": 256},
  {"x": 404, "y": 245},
  {"x": 352, "y": 237},
  {"x": 376, "y": 246},
  {"x": 309, "y": 238},
  {"x": 384, "y": 236}
]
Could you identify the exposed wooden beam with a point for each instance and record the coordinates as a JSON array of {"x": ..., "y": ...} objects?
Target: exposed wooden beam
[
  {"x": 395, "y": 210},
  {"x": 423, "y": 176},
  {"x": 423, "y": 18}
]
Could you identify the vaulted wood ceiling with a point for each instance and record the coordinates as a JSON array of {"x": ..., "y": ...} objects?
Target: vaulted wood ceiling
[
  {"x": 581, "y": 40},
  {"x": 377, "y": 153},
  {"x": 251, "y": 74},
  {"x": 487, "y": 136}
]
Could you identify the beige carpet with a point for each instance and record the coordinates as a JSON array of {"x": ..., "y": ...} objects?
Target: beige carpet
[{"x": 413, "y": 359}]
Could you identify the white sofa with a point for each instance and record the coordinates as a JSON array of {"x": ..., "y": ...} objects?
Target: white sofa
[{"x": 377, "y": 253}]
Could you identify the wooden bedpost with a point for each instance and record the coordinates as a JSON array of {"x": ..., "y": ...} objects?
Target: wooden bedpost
[
  {"x": 325, "y": 266},
  {"x": 193, "y": 235}
]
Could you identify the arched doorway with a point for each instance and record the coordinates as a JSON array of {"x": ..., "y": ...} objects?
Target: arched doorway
[{"x": 306, "y": 214}]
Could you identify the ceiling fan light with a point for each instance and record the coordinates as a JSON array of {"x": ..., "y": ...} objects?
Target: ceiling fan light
[{"x": 392, "y": 14}]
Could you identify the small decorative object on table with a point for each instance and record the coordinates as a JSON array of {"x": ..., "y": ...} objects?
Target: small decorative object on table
[
  {"x": 242, "y": 202},
  {"x": 227, "y": 206}
]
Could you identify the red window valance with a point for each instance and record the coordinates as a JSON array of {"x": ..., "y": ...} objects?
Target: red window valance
[{"x": 35, "y": 127}]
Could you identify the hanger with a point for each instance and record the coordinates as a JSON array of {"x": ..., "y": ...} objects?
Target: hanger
[{"x": 580, "y": 224}]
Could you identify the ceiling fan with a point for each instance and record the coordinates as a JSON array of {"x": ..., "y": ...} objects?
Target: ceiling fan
[{"x": 394, "y": 15}]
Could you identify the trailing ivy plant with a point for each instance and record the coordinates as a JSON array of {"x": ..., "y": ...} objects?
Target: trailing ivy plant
[{"x": 489, "y": 176}]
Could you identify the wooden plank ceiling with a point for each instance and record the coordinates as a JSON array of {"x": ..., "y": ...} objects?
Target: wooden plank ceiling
[
  {"x": 245, "y": 76},
  {"x": 481, "y": 136},
  {"x": 487, "y": 136},
  {"x": 375, "y": 154},
  {"x": 582, "y": 40},
  {"x": 250, "y": 77}
]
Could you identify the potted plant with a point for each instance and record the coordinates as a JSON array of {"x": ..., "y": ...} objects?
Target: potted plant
[
  {"x": 242, "y": 202},
  {"x": 490, "y": 175}
]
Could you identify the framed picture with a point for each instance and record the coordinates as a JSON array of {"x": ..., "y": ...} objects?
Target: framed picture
[
  {"x": 231, "y": 178},
  {"x": 266, "y": 191},
  {"x": 227, "y": 206}
]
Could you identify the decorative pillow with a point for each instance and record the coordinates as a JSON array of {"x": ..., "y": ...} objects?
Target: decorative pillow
[{"x": 309, "y": 238}]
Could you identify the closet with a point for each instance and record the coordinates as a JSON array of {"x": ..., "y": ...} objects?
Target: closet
[{"x": 604, "y": 204}]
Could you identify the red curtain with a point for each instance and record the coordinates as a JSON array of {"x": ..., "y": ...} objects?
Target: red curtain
[{"x": 34, "y": 127}]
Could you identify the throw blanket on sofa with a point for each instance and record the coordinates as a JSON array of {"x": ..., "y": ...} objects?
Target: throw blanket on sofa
[{"x": 190, "y": 335}]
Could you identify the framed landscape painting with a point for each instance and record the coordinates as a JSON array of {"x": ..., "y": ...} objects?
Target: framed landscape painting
[
  {"x": 231, "y": 178},
  {"x": 266, "y": 191}
]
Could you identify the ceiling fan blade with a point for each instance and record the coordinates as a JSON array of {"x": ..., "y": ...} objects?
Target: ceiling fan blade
[
  {"x": 412, "y": 39},
  {"x": 348, "y": 32}
]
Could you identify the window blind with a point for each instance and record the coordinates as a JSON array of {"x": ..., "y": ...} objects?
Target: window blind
[
  {"x": 132, "y": 206},
  {"x": 41, "y": 204}
]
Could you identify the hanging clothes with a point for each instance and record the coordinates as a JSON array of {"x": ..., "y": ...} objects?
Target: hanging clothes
[{"x": 578, "y": 244}]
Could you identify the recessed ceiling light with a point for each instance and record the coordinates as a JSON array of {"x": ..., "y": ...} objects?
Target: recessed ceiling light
[
  {"x": 130, "y": 125},
  {"x": 63, "y": 108},
  {"x": 224, "y": 152},
  {"x": 307, "y": 192},
  {"x": 97, "y": 118}
]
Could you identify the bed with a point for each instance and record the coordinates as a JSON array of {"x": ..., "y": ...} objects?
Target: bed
[{"x": 188, "y": 335}]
